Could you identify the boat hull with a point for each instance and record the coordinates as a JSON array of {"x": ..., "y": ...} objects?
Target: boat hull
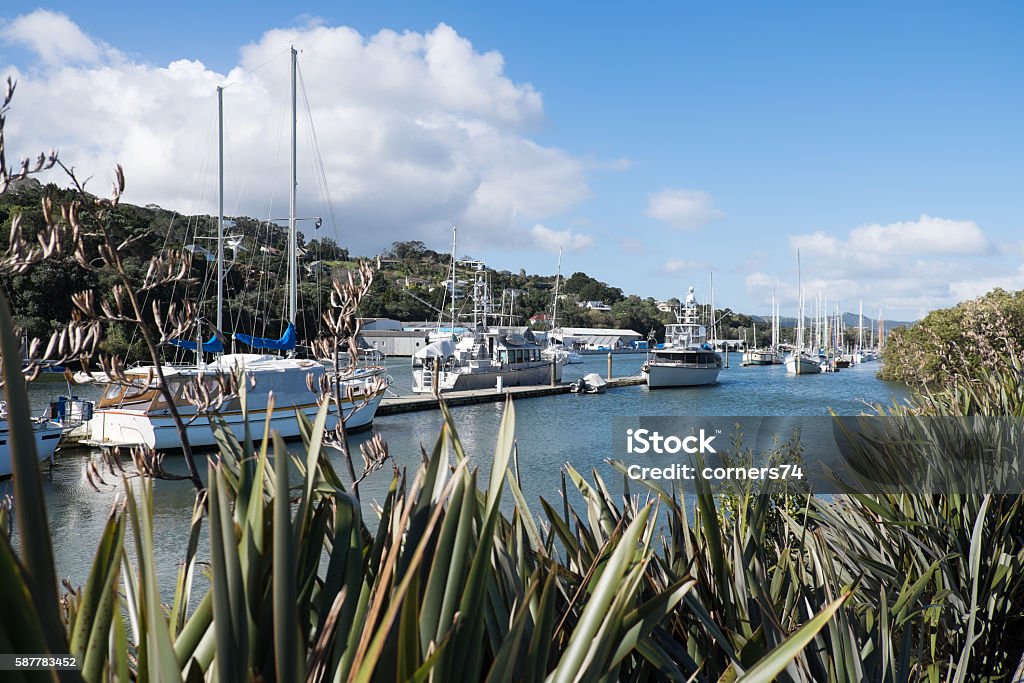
[
  {"x": 761, "y": 358},
  {"x": 125, "y": 428},
  {"x": 47, "y": 436},
  {"x": 802, "y": 366},
  {"x": 664, "y": 376},
  {"x": 486, "y": 378}
]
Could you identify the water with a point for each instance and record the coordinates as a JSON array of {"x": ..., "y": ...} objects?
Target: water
[{"x": 550, "y": 431}]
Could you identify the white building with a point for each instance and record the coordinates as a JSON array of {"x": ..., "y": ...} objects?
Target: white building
[
  {"x": 594, "y": 306},
  {"x": 596, "y": 339}
]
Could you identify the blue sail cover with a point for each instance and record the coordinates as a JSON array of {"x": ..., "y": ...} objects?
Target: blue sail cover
[
  {"x": 214, "y": 345},
  {"x": 285, "y": 343}
]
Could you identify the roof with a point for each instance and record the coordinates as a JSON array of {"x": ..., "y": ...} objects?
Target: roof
[{"x": 597, "y": 332}]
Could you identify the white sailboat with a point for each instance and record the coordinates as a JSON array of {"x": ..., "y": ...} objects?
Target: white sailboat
[
  {"x": 800, "y": 362},
  {"x": 136, "y": 414},
  {"x": 769, "y": 355},
  {"x": 686, "y": 359},
  {"x": 555, "y": 349}
]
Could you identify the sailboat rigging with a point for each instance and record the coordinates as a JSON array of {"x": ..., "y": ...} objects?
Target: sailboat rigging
[{"x": 135, "y": 413}]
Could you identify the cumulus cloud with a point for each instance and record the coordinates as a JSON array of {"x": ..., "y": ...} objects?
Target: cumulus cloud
[
  {"x": 552, "y": 240},
  {"x": 907, "y": 266},
  {"x": 682, "y": 209},
  {"x": 925, "y": 236},
  {"x": 53, "y": 38},
  {"x": 415, "y": 131}
]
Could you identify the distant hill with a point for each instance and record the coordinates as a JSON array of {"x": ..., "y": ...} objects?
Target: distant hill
[{"x": 849, "y": 320}]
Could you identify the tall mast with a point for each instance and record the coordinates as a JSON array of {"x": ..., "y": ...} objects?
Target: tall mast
[
  {"x": 860, "y": 327},
  {"x": 799, "y": 306},
  {"x": 454, "y": 236},
  {"x": 293, "y": 243},
  {"x": 714, "y": 334},
  {"x": 558, "y": 275},
  {"x": 220, "y": 208}
]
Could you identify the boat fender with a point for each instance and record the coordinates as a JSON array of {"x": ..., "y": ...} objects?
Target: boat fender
[{"x": 646, "y": 367}]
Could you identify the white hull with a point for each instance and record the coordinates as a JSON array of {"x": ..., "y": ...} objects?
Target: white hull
[
  {"x": 562, "y": 356},
  {"x": 801, "y": 365},
  {"x": 661, "y": 376},
  {"x": 47, "y": 437},
  {"x": 469, "y": 379},
  {"x": 128, "y": 428}
]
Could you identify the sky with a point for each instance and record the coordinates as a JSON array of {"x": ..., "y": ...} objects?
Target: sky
[{"x": 654, "y": 144}]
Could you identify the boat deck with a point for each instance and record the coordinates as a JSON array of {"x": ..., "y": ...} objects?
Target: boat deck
[{"x": 409, "y": 404}]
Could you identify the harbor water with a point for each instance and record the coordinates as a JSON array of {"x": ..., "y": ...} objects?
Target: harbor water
[{"x": 550, "y": 432}]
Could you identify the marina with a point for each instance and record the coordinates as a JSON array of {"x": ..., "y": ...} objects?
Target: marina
[{"x": 553, "y": 426}]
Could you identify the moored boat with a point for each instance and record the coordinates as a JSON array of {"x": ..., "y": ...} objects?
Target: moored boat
[
  {"x": 136, "y": 414},
  {"x": 46, "y": 433},
  {"x": 686, "y": 359}
]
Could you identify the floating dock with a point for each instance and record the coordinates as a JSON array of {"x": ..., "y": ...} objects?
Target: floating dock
[{"x": 409, "y": 404}]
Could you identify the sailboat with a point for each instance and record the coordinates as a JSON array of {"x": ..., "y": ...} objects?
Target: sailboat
[
  {"x": 800, "y": 362},
  {"x": 765, "y": 356},
  {"x": 135, "y": 414},
  {"x": 556, "y": 350}
]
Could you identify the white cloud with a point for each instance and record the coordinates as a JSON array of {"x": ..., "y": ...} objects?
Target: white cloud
[
  {"x": 682, "y": 209},
  {"x": 926, "y": 236},
  {"x": 552, "y": 240},
  {"x": 973, "y": 287},
  {"x": 675, "y": 265},
  {"x": 53, "y": 37},
  {"x": 416, "y": 131},
  {"x": 908, "y": 266}
]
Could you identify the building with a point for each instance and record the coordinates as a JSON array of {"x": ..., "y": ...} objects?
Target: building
[
  {"x": 594, "y": 306},
  {"x": 598, "y": 339}
]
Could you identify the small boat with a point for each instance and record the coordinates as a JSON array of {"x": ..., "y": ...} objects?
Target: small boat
[
  {"x": 562, "y": 355},
  {"x": 47, "y": 436},
  {"x": 591, "y": 383},
  {"x": 800, "y": 363}
]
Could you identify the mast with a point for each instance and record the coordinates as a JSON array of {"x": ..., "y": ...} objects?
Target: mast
[
  {"x": 860, "y": 327},
  {"x": 799, "y": 309},
  {"x": 454, "y": 242},
  {"x": 554, "y": 311},
  {"x": 293, "y": 243},
  {"x": 220, "y": 208}
]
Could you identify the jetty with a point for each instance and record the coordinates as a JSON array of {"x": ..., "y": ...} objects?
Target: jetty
[{"x": 408, "y": 404}]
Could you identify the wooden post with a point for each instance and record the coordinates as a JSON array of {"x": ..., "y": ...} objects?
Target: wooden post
[
  {"x": 609, "y": 366},
  {"x": 433, "y": 379},
  {"x": 554, "y": 374}
]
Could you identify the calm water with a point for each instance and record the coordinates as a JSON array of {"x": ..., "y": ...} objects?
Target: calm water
[{"x": 550, "y": 432}]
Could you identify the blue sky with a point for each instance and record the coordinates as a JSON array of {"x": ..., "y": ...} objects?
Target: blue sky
[{"x": 655, "y": 143}]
